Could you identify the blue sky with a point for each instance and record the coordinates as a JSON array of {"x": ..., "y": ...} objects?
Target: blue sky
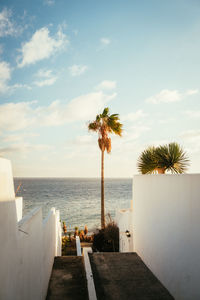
[{"x": 62, "y": 62}]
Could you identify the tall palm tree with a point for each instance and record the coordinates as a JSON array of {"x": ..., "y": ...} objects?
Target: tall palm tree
[
  {"x": 164, "y": 158},
  {"x": 105, "y": 124}
]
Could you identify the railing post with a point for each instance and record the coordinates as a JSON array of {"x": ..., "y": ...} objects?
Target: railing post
[{"x": 78, "y": 246}]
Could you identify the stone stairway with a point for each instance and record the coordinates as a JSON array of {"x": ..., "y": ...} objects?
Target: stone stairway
[
  {"x": 117, "y": 276},
  {"x": 124, "y": 276},
  {"x": 68, "y": 279}
]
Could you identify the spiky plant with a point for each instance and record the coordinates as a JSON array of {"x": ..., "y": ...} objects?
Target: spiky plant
[
  {"x": 169, "y": 157},
  {"x": 147, "y": 162},
  {"x": 105, "y": 124}
]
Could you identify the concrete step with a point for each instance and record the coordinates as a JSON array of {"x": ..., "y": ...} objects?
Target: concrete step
[
  {"x": 68, "y": 279},
  {"x": 119, "y": 276}
]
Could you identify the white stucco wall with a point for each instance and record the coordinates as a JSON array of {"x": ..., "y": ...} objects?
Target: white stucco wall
[
  {"x": 166, "y": 228},
  {"x": 124, "y": 218},
  {"x": 19, "y": 207},
  {"x": 8, "y": 233},
  {"x": 27, "y": 247}
]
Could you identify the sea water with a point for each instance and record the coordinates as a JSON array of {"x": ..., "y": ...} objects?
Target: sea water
[{"x": 78, "y": 199}]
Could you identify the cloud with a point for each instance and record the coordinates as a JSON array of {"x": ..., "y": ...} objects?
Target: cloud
[
  {"x": 7, "y": 26},
  {"x": 167, "y": 96},
  {"x": 105, "y": 41},
  {"x": 5, "y": 74},
  {"x": 13, "y": 138},
  {"x": 41, "y": 46},
  {"x": 81, "y": 108},
  {"x": 18, "y": 116},
  {"x": 77, "y": 70},
  {"x": 134, "y": 132},
  {"x": 19, "y": 86},
  {"x": 15, "y": 116},
  {"x": 24, "y": 147},
  {"x": 192, "y": 113},
  {"x": 45, "y": 78},
  {"x": 192, "y": 92},
  {"x": 82, "y": 140},
  {"x": 107, "y": 85},
  {"x": 134, "y": 116},
  {"x": 49, "y": 2},
  {"x": 190, "y": 134},
  {"x": 192, "y": 140}
]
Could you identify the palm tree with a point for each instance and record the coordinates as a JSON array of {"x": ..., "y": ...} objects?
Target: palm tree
[
  {"x": 105, "y": 124},
  {"x": 164, "y": 158}
]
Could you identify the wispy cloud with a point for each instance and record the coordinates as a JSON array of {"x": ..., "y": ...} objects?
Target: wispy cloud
[
  {"x": 105, "y": 41},
  {"x": 5, "y": 74},
  {"x": 49, "y": 2},
  {"x": 76, "y": 110},
  {"x": 192, "y": 113},
  {"x": 190, "y": 134},
  {"x": 192, "y": 92},
  {"x": 7, "y": 25},
  {"x": 169, "y": 96},
  {"x": 134, "y": 116},
  {"x": 13, "y": 138},
  {"x": 192, "y": 139},
  {"x": 15, "y": 116},
  {"x": 45, "y": 78},
  {"x": 165, "y": 96},
  {"x": 107, "y": 85},
  {"x": 22, "y": 115},
  {"x": 23, "y": 148},
  {"x": 41, "y": 46},
  {"x": 77, "y": 70}
]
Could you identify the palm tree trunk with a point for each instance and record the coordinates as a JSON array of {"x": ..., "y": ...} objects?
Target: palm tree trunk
[{"x": 102, "y": 191}]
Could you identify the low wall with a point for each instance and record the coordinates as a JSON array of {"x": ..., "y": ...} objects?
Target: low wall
[
  {"x": 27, "y": 247},
  {"x": 166, "y": 224},
  {"x": 124, "y": 219},
  {"x": 51, "y": 245},
  {"x": 19, "y": 207}
]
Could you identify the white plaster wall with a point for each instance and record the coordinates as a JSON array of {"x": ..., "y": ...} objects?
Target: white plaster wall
[
  {"x": 58, "y": 234},
  {"x": 166, "y": 226},
  {"x": 124, "y": 221},
  {"x": 27, "y": 248},
  {"x": 49, "y": 244},
  {"x": 8, "y": 233},
  {"x": 6, "y": 183},
  {"x": 19, "y": 207},
  {"x": 30, "y": 271}
]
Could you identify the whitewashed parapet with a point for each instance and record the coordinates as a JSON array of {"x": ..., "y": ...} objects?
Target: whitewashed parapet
[
  {"x": 166, "y": 220},
  {"x": 19, "y": 207},
  {"x": 124, "y": 221},
  {"x": 27, "y": 247}
]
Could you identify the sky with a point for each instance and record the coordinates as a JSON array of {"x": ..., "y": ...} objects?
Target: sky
[{"x": 62, "y": 62}]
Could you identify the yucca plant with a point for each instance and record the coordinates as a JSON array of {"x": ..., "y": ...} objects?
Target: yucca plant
[
  {"x": 105, "y": 124},
  {"x": 169, "y": 157}
]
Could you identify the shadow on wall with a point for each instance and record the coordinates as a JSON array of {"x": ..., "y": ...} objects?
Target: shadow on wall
[{"x": 27, "y": 247}]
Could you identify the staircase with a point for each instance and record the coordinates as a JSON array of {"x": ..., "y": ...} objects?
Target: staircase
[
  {"x": 68, "y": 279},
  {"x": 124, "y": 276}
]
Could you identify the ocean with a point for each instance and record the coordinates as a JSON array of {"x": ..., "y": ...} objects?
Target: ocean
[{"x": 78, "y": 199}]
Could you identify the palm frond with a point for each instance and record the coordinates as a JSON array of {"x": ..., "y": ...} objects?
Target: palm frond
[
  {"x": 105, "y": 124},
  {"x": 147, "y": 162},
  {"x": 93, "y": 126},
  {"x": 169, "y": 157},
  {"x": 105, "y": 112}
]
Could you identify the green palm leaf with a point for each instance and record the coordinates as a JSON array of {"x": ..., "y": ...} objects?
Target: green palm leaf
[{"x": 164, "y": 158}]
